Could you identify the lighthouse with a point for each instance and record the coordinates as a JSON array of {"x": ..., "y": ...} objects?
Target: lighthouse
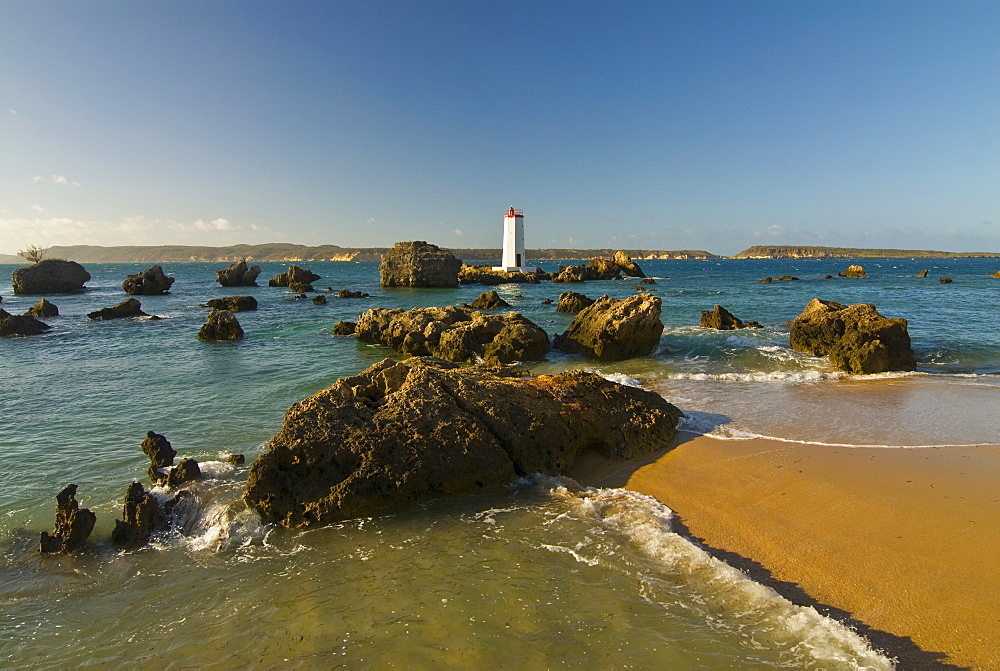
[{"x": 513, "y": 243}]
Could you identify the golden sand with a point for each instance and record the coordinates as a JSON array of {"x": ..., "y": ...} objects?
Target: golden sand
[{"x": 906, "y": 541}]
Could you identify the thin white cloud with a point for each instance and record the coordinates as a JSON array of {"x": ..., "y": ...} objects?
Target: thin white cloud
[
  {"x": 775, "y": 230},
  {"x": 458, "y": 232},
  {"x": 37, "y": 208},
  {"x": 61, "y": 180},
  {"x": 13, "y": 112}
]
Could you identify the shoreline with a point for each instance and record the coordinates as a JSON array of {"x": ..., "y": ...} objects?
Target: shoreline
[{"x": 900, "y": 544}]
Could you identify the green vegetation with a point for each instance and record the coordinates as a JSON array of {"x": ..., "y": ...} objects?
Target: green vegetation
[{"x": 813, "y": 252}]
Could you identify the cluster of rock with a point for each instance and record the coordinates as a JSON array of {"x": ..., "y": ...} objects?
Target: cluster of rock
[
  {"x": 600, "y": 268},
  {"x": 721, "y": 319},
  {"x": 454, "y": 334},
  {"x": 856, "y": 338},
  {"x": 614, "y": 329},
  {"x": 150, "y": 282},
  {"x": 404, "y": 432},
  {"x": 418, "y": 264},
  {"x": 468, "y": 274},
  {"x": 238, "y": 275},
  {"x": 51, "y": 276},
  {"x": 298, "y": 280},
  {"x": 28, "y": 324}
]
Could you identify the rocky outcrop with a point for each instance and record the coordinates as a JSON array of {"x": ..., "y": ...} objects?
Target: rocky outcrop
[
  {"x": 150, "y": 282},
  {"x": 783, "y": 278},
  {"x": 344, "y": 328},
  {"x": 42, "y": 309},
  {"x": 319, "y": 300},
  {"x": 613, "y": 329},
  {"x": 344, "y": 293},
  {"x": 619, "y": 264},
  {"x": 647, "y": 280},
  {"x": 140, "y": 517},
  {"x": 854, "y": 271},
  {"x": 856, "y": 338},
  {"x": 73, "y": 524},
  {"x": 128, "y": 308},
  {"x": 418, "y": 264},
  {"x": 721, "y": 319},
  {"x": 159, "y": 450},
  {"x": 298, "y": 280},
  {"x": 489, "y": 300},
  {"x": 454, "y": 334},
  {"x": 236, "y": 460},
  {"x": 945, "y": 280},
  {"x": 13, "y": 326},
  {"x": 238, "y": 275},
  {"x": 486, "y": 275},
  {"x": 405, "y": 432},
  {"x": 569, "y": 274},
  {"x": 232, "y": 303},
  {"x": 186, "y": 470},
  {"x": 572, "y": 302},
  {"x": 996, "y": 275},
  {"x": 221, "y": 325},
  {"x": 922, "y": 273},
  {"x": 52, "y": 276}
]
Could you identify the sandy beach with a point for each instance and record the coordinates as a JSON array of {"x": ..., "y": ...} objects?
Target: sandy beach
[{"x": 902, "y": 543}]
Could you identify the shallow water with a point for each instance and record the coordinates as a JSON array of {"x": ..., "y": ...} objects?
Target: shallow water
[{"x": 536, "y": 575}]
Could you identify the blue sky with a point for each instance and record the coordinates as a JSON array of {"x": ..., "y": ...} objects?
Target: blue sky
[{"x": 655, "y": 125}]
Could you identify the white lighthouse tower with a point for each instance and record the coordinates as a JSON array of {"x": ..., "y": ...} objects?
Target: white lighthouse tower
[{"x": 513, "y": 243}]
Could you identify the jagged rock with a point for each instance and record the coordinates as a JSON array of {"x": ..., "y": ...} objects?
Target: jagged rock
[
  {"x": 405, "y": 432},
  {"x": 827, "y": 277},
  {"x": 547, "y": 301},
  {"x": 721, "y": 319},
  {"x": 221, "y": 325},
  {"x": 454, "y": 334},
  {"x": 73, "y": 524},
  {"x": 319, "y": 300},
  {"x": 922, "y": 273},
  {"x": 150, "y": 282},
  {"x": 298, "y": 280},
  {"x": 995, "y": 275},
  {"x": 232, "y": 303},
  {"x": 629, "y": 268},
  {"x": 344, "y": 328},
  {"x": 13, "y": 326},
  {"x": 344, "y": 293},
  {"x": 486, "y": 275},
  {"x": 186, "y": 470},
  {"x": 613, "y": 330},
  {"x": 42, "y": 309},
  {"x": 51, "y": 276},
  {"x": 855, "y": 271},
  {"x": 140, "y": 517},
  {"x": 128, "y": 308},
  {"x": 766, "y": 280},
  {"x": 572, "y": 302},
  {"x": 236, "y": 459},
  {"x": 489, "y": 300},
  {"x": 647, "y": 280},
  {"x": 238, "y": 275},
  {"x": 418, "y": 264},
  {"x": 568, "y": 274},
  {"x": 158, "y": 449},
  {"x": 945, "y": 280},
  {"x": 856, "y": 338}
]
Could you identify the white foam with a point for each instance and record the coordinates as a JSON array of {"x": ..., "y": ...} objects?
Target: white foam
[
  {"x": 623, "y": 379},
  {"x": 764, "y": 376}
]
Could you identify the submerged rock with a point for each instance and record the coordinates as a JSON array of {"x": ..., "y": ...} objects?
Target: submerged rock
[
  {"x": 128, "y": 308},
  {"x": 13, "y": 326},
  {"x": 73, "y": 524},
  {"x": 238, "y": 275},
  {"x": 855, "y": 271},
  {"x": 232, "y": 303},
  {"x": 856, "y": 338},
  {"x": 52, "y": 276},
  {"x": 140, "y": 517},
  {"x": 344, "y": 293},
  {"x": 489, "y": 300},
  {"x": 405, "y": 432},
  {"x": 572, "y": 302},
  {"x": 613, "y": 329},
  {"x": 150, "y": 282},
  {"x": 418, "y": 264},
  {"x": 721, "y": 319},
  {"x": 343, "y": 328},
  {"x": 221, "y": 325},
  {"x": 945, "y": 280}
]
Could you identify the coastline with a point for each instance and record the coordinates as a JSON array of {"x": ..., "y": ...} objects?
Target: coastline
[{"x": 900, "y": 543}]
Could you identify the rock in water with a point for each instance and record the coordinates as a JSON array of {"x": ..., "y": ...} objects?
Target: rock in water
[
  {"x": 454, "y": 334},
  {"x": 856, "y": 338},
  {"x": 343, "y": 328},
  {"x": 299, "y": 280},
  {"x": 52, "y": 276},
  {"x": 238, "y": 275},
  {"x": 405, "y": 432},
  {"x": 159, "y": 450},
  {"x": 418, "y": 264},
  {"x": 42, "y": 309},
  {"x": 572, "y": 302},
  {"x": 486, "y": 275},
  {"x": 233, "y": 303},
  {"x": 129, "y": 308},
  {"x": 140, "y": 517},
  {"x": 150, "y": 282},
  {"x": 489, "y": 300},
  {"x": 186, "y": 470},
  {"x": 628, "y": 266},
  {"x": 221, "y": 325},
  {"x": 613, "y": 330},
  {"x": 853, "y": 271},
  {"x": 13, "y": 326},
  {"x": 73, "y": 524},
  {"x": 922, "y": 273},
  {"x": 995, "y": 275},
  {"x": 319, "y": 300},
  {"x": 945, "y": 280},
  {"x": 720, "y": 318}
]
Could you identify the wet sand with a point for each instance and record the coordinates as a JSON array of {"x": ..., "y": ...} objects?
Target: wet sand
[{"x": 903, "y": 543}]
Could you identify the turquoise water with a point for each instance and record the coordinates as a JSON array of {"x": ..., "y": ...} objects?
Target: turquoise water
[{"x": 538, "y": 575}]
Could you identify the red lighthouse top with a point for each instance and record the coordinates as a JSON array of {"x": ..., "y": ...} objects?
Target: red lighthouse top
[{"x": 511, "y": 212}]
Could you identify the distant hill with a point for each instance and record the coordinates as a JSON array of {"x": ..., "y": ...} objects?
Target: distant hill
[
  {"x": 289, "y": 253},
  {"x": 812, "y": 252}
]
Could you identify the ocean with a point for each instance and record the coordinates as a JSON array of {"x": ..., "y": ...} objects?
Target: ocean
[{"x": 543, "y": 573}]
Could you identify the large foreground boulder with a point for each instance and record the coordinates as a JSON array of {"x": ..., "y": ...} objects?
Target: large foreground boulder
[
  {"x": 73, "y": 524},
  {"x": 52, "y": 276},
  {"x": 221, "y": 325},
  {"x": 13, "y": 326},
  {"x": 405, "y": 432},
  {"x": 128, "y": 308},
  {"x": 150, "y": 282},
  {"x": 856, "y": 338},
  {"x": 614, "y": 329},
  {"x": 454, "y": 334},
  {"x": 238, "y": 275},
  {"x": 418, "y": 264}
]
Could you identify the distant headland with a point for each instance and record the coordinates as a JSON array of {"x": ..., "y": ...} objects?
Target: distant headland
[{"x": 290, "y": 253}]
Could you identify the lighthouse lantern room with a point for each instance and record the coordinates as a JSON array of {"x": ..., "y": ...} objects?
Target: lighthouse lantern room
[{"x": 513, "y": 243}]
